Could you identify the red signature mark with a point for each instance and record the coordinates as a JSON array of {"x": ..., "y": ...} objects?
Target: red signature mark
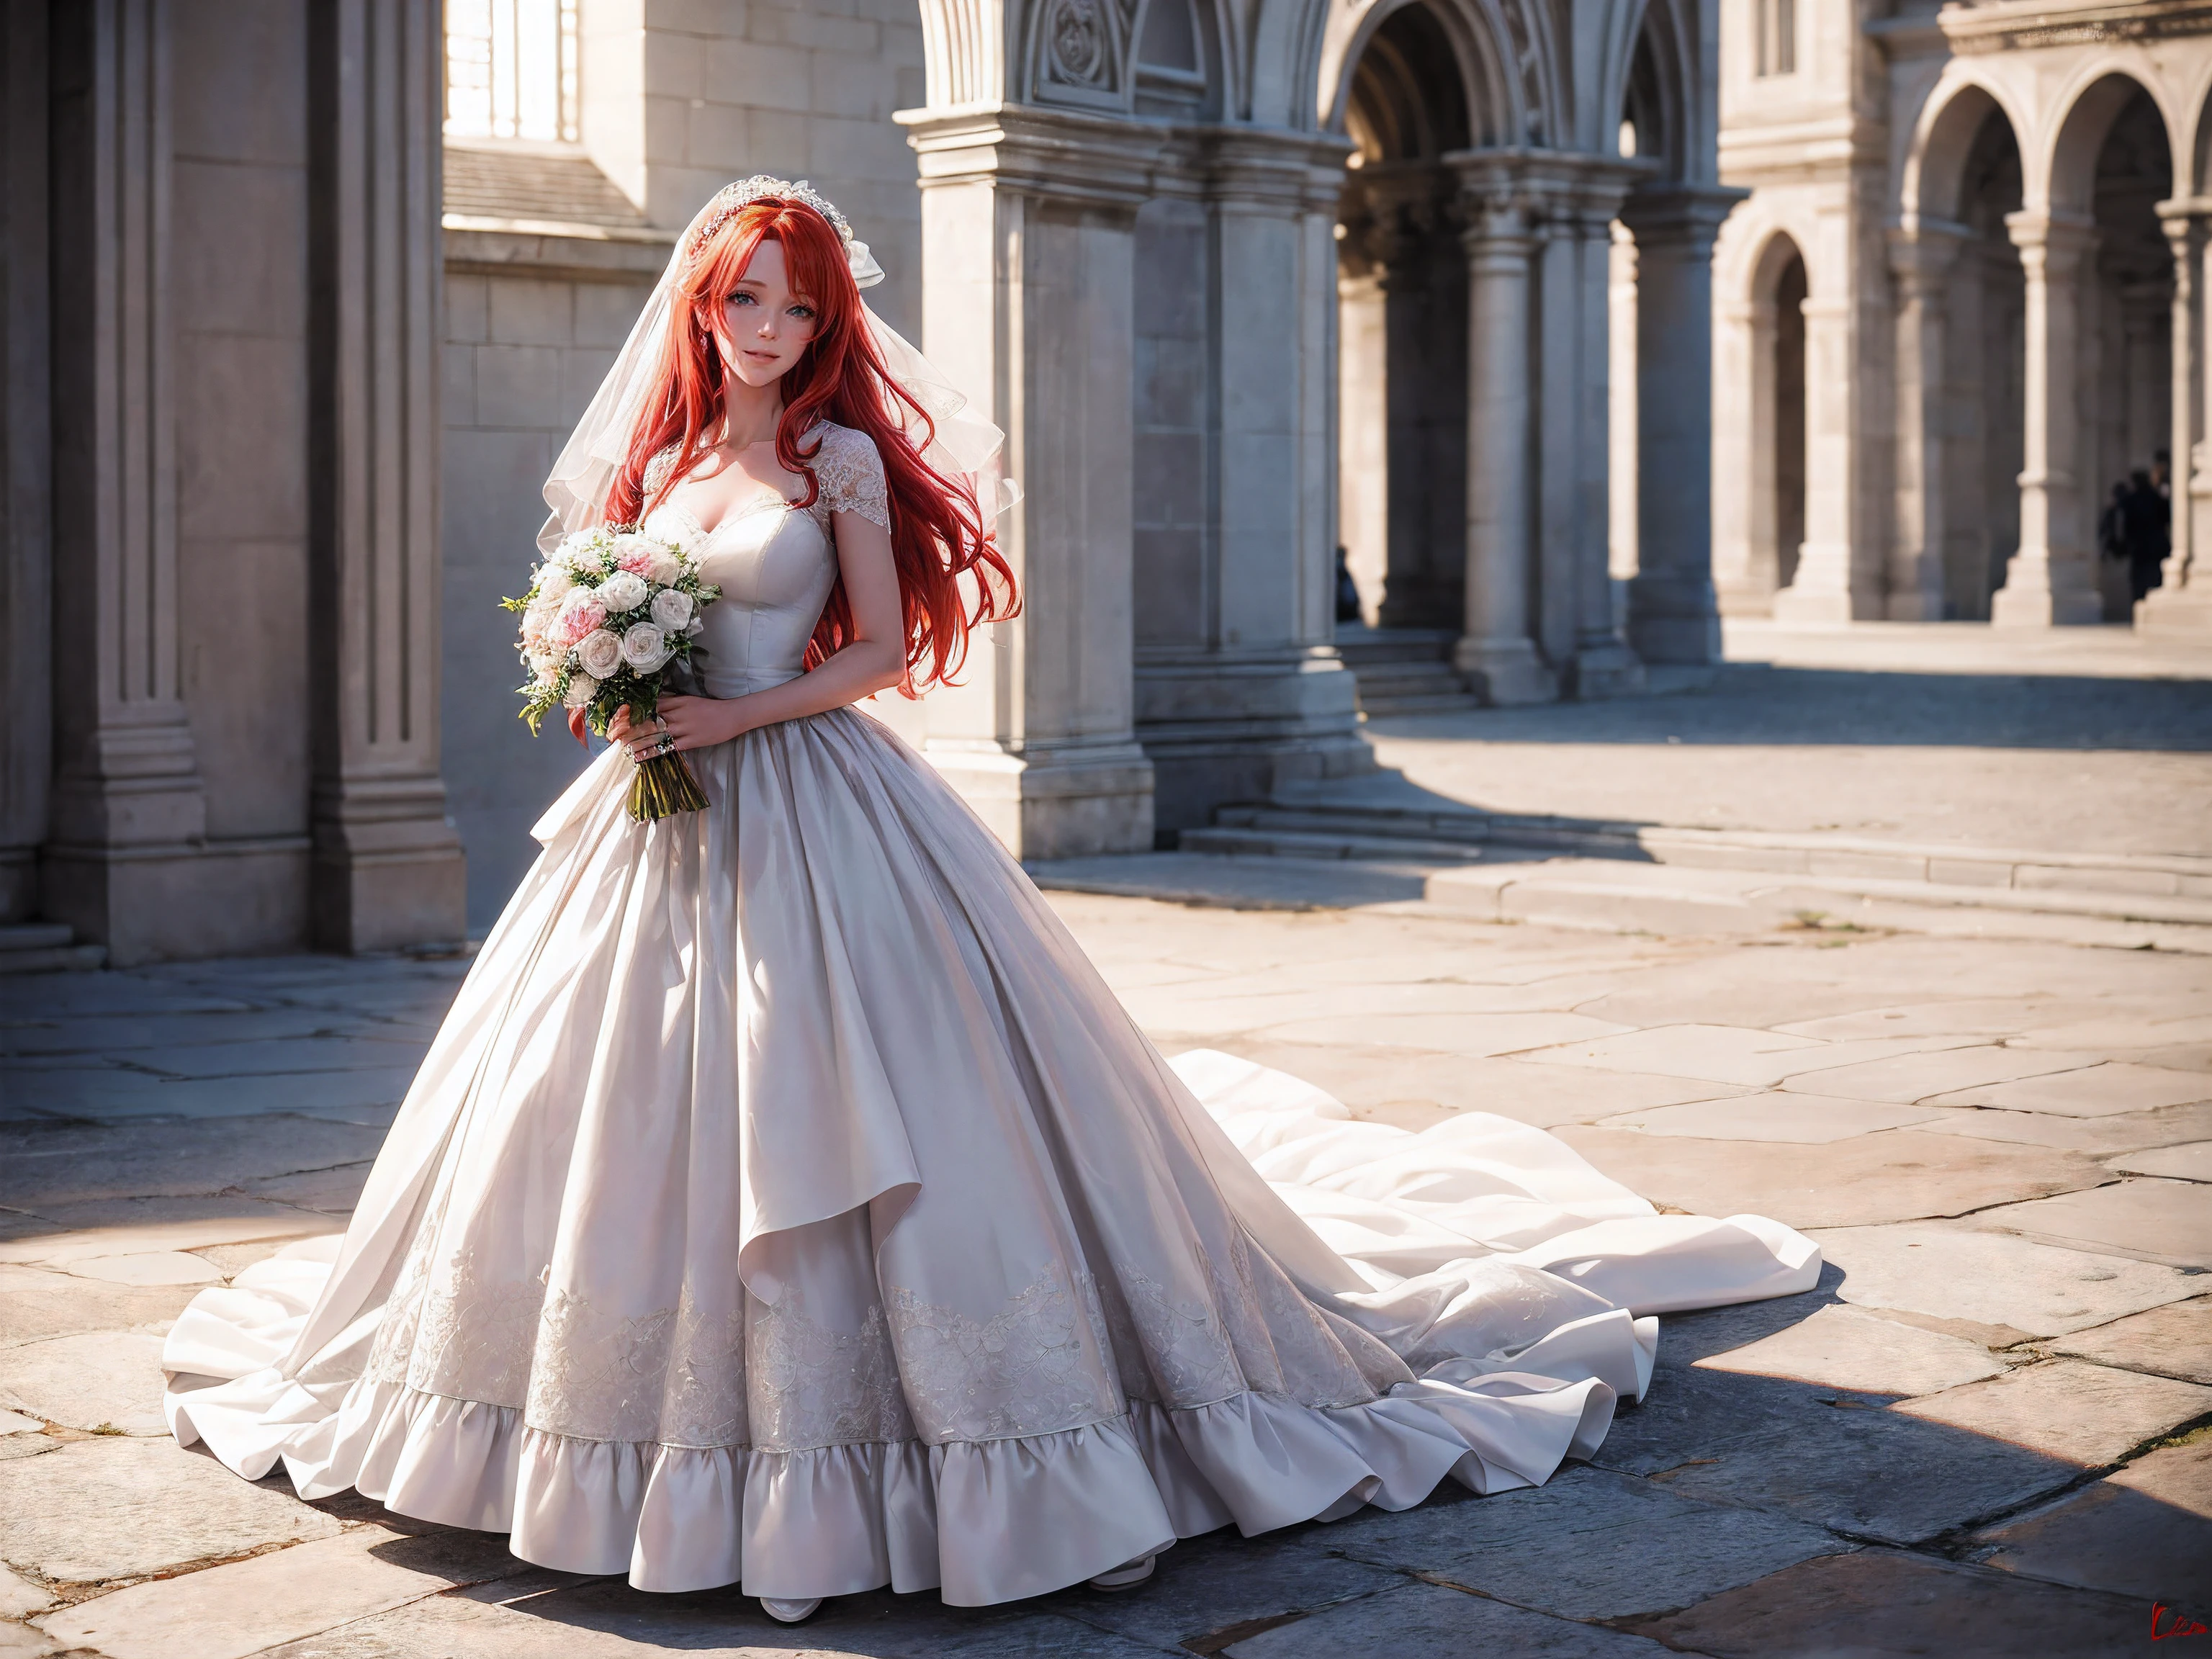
[{"x": 2181, "y": 1625}]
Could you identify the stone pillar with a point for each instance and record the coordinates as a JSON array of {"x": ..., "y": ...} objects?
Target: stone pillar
[
  {"x": 1921, "y": 261},
  {"x": 1604, "y": 666},
  {"x": 1250, "y": 694},
  {"x": 2182, "y": 603},
  {"x": 1496, "y": 652},
  {"x": 1028, "y": 219},
  {"x": 1363, "y": 431},
  {"x": 1820, "y": 591},
  {"x": 128, "y": 807},
  {"x": 1743, "y": 455},
  {"x": 26, "y": 601},
  {"x": 1672, "y": 614},
  {"x": 2052, "y": 579},
  {"x": 387, "y": 867}
]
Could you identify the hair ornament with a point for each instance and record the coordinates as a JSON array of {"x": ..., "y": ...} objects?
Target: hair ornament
[{"x": 764, "y": 186}]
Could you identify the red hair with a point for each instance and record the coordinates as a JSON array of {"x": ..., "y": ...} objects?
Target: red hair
[{"x": 939, "y": 541}]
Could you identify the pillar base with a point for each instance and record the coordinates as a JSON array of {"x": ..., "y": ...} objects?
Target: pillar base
[
  {"x": 1505, "y": 673},
  {"x": 2044, "y": 607},
  {"x": 2183, "y": 613},
  {"x": 1610, "y": 669},
  {"x": 388, "y": 869},
  {"x": 1064, "y": 802},
  {"x": 1219, "y": 729},
  {"x": 179, "y": 902},
  {"x": 1673, "y": 618}
]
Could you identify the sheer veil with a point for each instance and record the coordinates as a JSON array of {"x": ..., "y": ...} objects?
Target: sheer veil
[{"x": 961, "y": 443}]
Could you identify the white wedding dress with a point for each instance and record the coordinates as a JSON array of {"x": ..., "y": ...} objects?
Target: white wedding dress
[{"x": 786, "y": 1201}]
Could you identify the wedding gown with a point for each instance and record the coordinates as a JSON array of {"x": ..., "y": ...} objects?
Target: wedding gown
[{"x": 786, "y": 1201}]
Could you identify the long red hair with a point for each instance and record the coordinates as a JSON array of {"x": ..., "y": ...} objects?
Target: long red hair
[{"x": 952, "y": 578}]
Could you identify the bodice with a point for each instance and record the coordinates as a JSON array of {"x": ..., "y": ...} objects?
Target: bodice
[{"x": 776, "y": 564}]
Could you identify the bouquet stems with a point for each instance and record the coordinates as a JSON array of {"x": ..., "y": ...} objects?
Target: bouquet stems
[{"x": 663, "y": 786}]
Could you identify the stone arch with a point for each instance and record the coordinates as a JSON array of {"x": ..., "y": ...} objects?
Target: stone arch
[
  {"x": 1943, "y": 140},
  {"x": 2063, "y": 179},
  {"x": 1656, "y": 103},
  {"x": 1481, "y": 47}
]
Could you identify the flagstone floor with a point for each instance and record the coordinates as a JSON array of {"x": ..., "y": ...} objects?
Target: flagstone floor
[{"x": 1985, "y": 1432}]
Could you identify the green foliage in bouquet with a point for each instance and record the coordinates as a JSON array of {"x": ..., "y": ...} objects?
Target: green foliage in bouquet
[{"x": 606, "y": 622}]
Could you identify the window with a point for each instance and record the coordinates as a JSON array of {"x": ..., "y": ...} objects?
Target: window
[
  {"x": 1776, "y": 21},
  {"x": 511, "y": 68}
]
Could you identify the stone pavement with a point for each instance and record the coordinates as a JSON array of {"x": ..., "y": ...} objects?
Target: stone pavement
[
  {"x": 2075, "y": 739},
  {"x": 1986, "y": 1432}
]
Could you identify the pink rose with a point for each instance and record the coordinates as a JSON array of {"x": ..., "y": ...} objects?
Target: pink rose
[
  {"x": 581, "y": 612},
  {"x": 635, "y": 554}
]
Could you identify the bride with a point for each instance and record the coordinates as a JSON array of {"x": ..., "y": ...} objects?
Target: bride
[{"x": 786, "y": 1201}]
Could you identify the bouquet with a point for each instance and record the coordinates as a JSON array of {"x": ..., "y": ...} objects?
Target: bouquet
[{"x": 604, "y": 620}]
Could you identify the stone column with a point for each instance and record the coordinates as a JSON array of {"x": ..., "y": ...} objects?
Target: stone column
[
  {"x": 1250, "y": 694},
  {"x": 1921, "y": 261},
  {"x": 1743, "y": 455},
  {"x": 128, "y": 807},
  {"x": 2182, "y": 603},
  {"x": 26, "y": 593},
  {"x": 1028, "y": 217},
  {"x": 387, "y": 867},
  {"x": 2052, "y": 579},
  {"x": 1496, "y": 652},
  {"x": 1672, "y": 614},
  {"x": 1363, "y": 429},
  {"x": 1820, "y": 591},
  {"x": 1604, "y": 666}
]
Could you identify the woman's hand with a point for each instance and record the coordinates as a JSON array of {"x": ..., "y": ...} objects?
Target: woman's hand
[{"x": 681, "y": 723}]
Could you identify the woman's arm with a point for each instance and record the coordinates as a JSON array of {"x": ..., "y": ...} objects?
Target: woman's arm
[{"x": 875, "y": 660}]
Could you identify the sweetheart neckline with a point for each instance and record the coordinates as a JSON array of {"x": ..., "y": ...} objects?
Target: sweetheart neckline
[{"x": 729, "y": 518}]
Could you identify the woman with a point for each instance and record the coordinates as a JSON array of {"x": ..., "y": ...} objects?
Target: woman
[{"x": 786, "y": 1201}]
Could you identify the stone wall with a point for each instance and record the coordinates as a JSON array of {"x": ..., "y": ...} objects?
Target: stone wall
[
  {"x": 682, "y": 96},
  {"x": 532, "y": 324}
]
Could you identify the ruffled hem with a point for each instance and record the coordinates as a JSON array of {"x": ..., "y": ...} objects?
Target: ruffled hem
[{"x": 841, "y": 1520}]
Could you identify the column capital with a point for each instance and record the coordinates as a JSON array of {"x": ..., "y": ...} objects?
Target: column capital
[
  {"x": 1101, "y": 160},
  {"x": 1687, "y": 216},
  {"x": 1922, "y": 253},
  {"x": 2055, "y": 238}
]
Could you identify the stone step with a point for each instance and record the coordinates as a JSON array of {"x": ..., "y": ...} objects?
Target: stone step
[
  {"x": 44, "y": 947},
  {"x": 1826, "y": 855},
  {"x": 1403, "y": 670},
  {"x": 1615, "y": 896},
  {"x": 1761, "y": 896}
]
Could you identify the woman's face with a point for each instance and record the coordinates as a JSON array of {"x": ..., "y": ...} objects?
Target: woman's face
[{"x": 765, "y": 326}]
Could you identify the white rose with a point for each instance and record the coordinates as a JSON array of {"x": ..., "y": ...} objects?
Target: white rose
[
  {"x": 582, "y": 688},
  {"x": 666, "y": 568},
  {"x": 600, "y": 651},
  {"x": 671, "y": 608},
  {"x": 645, "y": 648},
  {"x": 578, "y": 552},
  {"x": 553, "y": 581},
  {"x": 622, "y": 592}
]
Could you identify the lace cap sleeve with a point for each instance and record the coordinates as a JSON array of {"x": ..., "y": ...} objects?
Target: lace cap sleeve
[
  {"x": 850, "y": 476},
  {"x": 656, "y": 473}
]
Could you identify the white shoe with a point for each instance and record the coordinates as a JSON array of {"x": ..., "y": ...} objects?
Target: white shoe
[
  {"x": 1127, "y": 1576},
  {"x": 790, "y": 1612}
]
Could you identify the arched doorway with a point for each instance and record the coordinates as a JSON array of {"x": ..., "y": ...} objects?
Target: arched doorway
[
  {"x": 2127, "y": 358},
  {"x": 1984, "y": 373},
  {"x": 1403, "y": 329}
]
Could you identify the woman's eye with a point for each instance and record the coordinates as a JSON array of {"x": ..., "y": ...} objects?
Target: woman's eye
[
  {"x": 741, "y": 299},
  {"x": 804, "y": 312}
]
